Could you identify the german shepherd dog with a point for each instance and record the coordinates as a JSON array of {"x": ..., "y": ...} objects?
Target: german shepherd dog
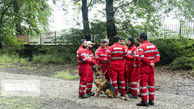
[{"x": 103, "y": 84}]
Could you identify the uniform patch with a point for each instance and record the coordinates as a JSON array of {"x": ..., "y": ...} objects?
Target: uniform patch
[
  {"x": 117, "y": 48},
  {"x": 150, "y": 46}
]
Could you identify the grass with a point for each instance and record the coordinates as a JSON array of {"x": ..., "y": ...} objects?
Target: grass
[
  {"x": 65, "y": 75},
  {"x": 20, "y": 103},
  {"x": 11, "y": 59},
  {"x": 53, "y": 58}
]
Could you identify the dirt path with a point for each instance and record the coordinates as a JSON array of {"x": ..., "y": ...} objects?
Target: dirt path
[{"x": 173, "y": 92}]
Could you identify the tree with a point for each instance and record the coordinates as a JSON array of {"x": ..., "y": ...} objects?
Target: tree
[
  {"x": 85, "y": 20},
  {"x": 23, "y": 17},
  {"x": 134, "y": 16},
  {"x": 110, "y": 19}
]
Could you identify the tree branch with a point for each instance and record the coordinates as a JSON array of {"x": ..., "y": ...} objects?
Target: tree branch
[
  {"x": 4, "y": 11},
  {"x": 126, "y": 4},
  {"x": 90, "y": 3}
]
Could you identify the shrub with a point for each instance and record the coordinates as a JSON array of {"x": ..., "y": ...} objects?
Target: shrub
[
  {"x": 173, "y": 48},
  {"x": 183, "y": 62}
]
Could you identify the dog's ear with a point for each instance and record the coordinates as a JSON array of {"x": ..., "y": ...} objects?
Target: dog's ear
[{"x": 93, "y": 68}]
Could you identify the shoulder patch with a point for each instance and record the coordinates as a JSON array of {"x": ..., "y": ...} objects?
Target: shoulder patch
[
  {"x": 117, "y": 48},
  {"x": 150, "y": 46}
]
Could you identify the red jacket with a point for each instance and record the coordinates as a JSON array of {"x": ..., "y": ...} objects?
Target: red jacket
[
  {"x": 134, "y": 56},
  {"x": 82, "y": 56},
  {"x": 117, "y": 53},
  {"x": 101, "y": 55},
  {"x": 90, "y": 54},
  {"x": 148, "y": 53}
]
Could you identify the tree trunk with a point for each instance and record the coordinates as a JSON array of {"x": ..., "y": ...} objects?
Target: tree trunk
[
  {"x": 111, "y": 28},
  {"x": 85, "y": 20},
  {"x": 18, "y": 21}
]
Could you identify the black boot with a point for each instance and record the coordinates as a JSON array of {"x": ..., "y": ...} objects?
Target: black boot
[
  {"x": 91, "y": 94},
  {"x": 132, "y": 96},
  {"x": 139, "y": 95},
  {"x": 142, "y": 103},
  {"x": 84, "y": 96},
  {"x": 151, "y": 102}
]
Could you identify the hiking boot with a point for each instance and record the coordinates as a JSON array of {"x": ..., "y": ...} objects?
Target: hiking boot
[
  {"x": 151, "y": 102},
  {"x": 91, "y": 94},
  {"x": 132, "y": 96},
  {"x": 142, "y": 103},
  {"x": 84, "y": 96}
]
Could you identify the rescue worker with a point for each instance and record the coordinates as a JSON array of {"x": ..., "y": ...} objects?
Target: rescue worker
[
  {"x": 122, "y": 42},
  {"x": 83, "y": 67},
  {"x": 107, "y": 43},
  {"x": 149, "y": 55},
  {"x": 130, "y": 62},
  {"x": 90, "y": 74},
  {"x": 133, "y": 68},
  {"x": 138, "y": 68},
  {"x": 116, "y": 55},
  {"x": 138, "y": 42},
  {"x": 102, "y": 58}
]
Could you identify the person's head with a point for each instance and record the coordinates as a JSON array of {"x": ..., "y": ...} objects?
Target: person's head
[
  {"x": 89, "y": 44},
  {"x": 103, "y": 43},
  {"x": 138, "y": 41},
  {"x": 122, "y": 41},
  {"x": 107, "y": 42},
  {"x": 84, "y": 43},
  {"x": 116, "y": 39},
  {"x": 130, "y": 42},
  {"x": 143, "y": 37}
]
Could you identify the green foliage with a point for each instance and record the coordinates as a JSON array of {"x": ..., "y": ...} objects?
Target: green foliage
[
  {"x": 98, "y": 30},
  {"x": 30, "y": 15},
  {"x": 176, "y": 52},
  {"x": 55, "y": 54},
  {"x": 72, "y": 36},
  {"x": 6, "y": 58},
  {"x": 65, "y": 75},
  {"x": 52, "y": 58},
  {"x": 182, "y": 62}
]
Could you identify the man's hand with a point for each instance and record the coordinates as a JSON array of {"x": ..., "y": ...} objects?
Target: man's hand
[{"x": 152, "y": 64}]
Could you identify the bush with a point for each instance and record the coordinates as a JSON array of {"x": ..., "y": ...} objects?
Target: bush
[
  {"x": 55, "y": 54},
  {"x": 173, "y": 48},
  {"x": 52, "y": 58},
  {"x": 183, "y": 62}
]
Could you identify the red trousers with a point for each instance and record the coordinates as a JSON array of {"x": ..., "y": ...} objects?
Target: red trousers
[
  {"x": 83, "y": 73},
  {"x": 129, "y": 70},
  {"x": 126, "y": 77},
  {"x": 106, "y": 69},
  {"x": 147, "y": 81},
  {"x": 134, "y": 80},
  {"x": 118, "y": 72},
  {"x": 89, "y": 80}
]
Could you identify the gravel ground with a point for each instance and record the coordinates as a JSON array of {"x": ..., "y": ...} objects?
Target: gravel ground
[{"x": 174, "y": 91}]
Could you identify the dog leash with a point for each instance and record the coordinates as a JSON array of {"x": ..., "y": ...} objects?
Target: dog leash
[{"x": 105, "y": 72}]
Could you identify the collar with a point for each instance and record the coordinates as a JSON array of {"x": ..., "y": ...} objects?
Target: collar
[
  {"x": 116, "y": 44},
  {"x": 102, "y": 48},
  {"x": 146, "y": 41},
  {"x": 81, "y": 47}
]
